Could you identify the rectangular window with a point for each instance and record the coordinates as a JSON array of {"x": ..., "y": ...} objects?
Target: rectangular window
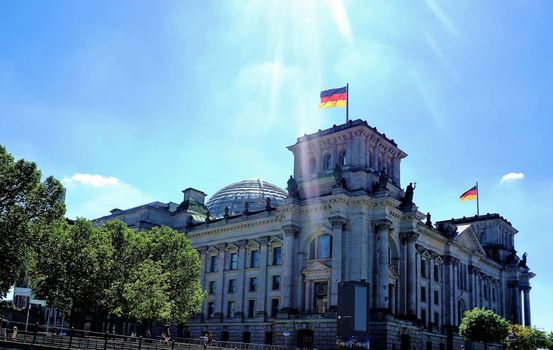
[
  {"x": 436, "y": 298},
  {"x": 436, "y": 273},
  {"x": 423, "y": 316},
  {"x": 233, "y": 261},
  {"x": 253, "y": 284},
  {"x": 251, "y": 308},
  {"x": 276, "y": 282},
  {"x": 214, "y": 263},
  {"x": 254, "y": 258},
  {"x": 277, "y": 255},
  {"x": 210, "y": 309},
  {"x": 274, "y": 307},
  {"x": 231, "y": 286},
  {"x": 436, "y": 318},
  {"x": 230, "y": 309},
  {"x": 423, "y": 294},
  {"x": 423, "y": 268},
  {"x": 211, "y": 287}
]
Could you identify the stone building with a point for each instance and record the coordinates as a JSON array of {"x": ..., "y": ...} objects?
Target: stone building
[{"x": 272, "y": 267}]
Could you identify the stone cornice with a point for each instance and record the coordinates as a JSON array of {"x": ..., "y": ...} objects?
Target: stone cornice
[{"x": 233, "y": 227}]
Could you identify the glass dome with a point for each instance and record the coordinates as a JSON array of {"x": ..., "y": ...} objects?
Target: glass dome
[{"x": 235, "y": 196}]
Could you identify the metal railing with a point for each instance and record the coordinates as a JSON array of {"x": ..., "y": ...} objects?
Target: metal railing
[{"x": 81, "y": 339}]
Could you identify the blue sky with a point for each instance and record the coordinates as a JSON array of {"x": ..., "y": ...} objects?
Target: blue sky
[{"x": 133, "y": 101}]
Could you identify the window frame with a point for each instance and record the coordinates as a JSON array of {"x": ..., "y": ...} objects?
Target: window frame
[{"x": 252, "y": 287}]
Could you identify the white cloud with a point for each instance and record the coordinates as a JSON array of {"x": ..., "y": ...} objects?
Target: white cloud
[
  {"x": 509, "y": 177},
  {"x": 92, "y": 196},
  {"x": 91, "y": 180}
]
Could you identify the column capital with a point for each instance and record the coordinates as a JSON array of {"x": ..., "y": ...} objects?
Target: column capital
[
  {"x": 290, "y": 229},
  {"x": 525, "y": 288},
  {"x": 408, "y": 237},
  {"x": 474, "y": 270},
  {"x": 337, "y": 221},
  {"x": 383, "y": 224},
  {"x": 451, "y": 260},
  {"x": 221, "y": 247},
  {"x": 513, "y": 284},
  {"x": 242, "y": 243},
  {"x": 202, "y": 249}
]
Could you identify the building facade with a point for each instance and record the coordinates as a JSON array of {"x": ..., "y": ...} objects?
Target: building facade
[{"x": 272, "y": 265}]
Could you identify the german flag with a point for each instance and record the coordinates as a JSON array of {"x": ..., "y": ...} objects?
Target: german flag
[
  {"x": 334, "y": 98},
  {"x": 470, "y": 194}
]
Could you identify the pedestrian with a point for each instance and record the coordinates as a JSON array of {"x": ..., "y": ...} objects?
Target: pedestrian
[{"x": 14, "y": 333}]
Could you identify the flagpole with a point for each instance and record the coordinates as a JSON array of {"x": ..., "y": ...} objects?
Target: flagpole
[
  {"x": 477, "y": 200},
  {"x": 347, "y": 102}
]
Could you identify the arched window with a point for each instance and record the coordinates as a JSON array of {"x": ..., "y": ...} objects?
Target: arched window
[
  {"x": 312, "y": 166},
  {"x": 343, "y": 161},
  {"x": 461, "y": 311},
  {"x": 321, "y": 247},
  {"x": 326, "y": 161}
]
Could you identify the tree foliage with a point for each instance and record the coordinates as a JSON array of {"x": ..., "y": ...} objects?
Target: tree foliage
[
  {"x": 149, "y": 275},
  {"x": 484, "y": 326},
  {"x": 527, "y": 338},
  {"x": 71, "y": 265},
  {"x": 25, "y": 202},
  {"x": 147, "y": 294}
]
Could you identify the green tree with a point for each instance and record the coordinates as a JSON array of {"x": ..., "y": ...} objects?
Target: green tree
[
  {"x": 146, "y": 293},
  {"x": 540, "y": 340},
  {"x": 71, "y": 268},
  {"x": 527, "y": 338},
  {"x": 522, "y": 337},
  {"x": 25, "y": 201},
  {"x": 127, "y": 251},
  {"x": 182, "y": 262},
  {"x": 484, "y": 326}
]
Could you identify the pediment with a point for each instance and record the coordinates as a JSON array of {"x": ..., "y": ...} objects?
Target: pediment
[
  {"x": 275, "y": 240},
  {"x": 317, "y": 269},
  {"x": 467, "y": 237},
  {"x": 212, "y": 250},
  {"x": 231, "y": 247},
  {"x": 252, "y": 244}
]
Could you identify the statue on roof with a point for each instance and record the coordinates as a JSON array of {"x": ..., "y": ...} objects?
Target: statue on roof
[
  {"x": 268, "y": 203},
  {"x": 226, "y": 213},
  {"x": 292, "y": 188},
  {"x": 409, "y": 192},
  {"x": 338, "y": 177},
  {"x": 382, "y": 179},
  {"x": 522, "y": 262},
  {"x": 428, "y": 219}
]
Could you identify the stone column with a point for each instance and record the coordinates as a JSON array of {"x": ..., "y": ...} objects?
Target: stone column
[
  {"x": 527, "y": 317},
  {"x": 383, "y": 228},
  {"x": 410, "y": 238},
  {"x": 239, "y": 294},
  {"x": 515, "y": 301},
  {"x": 262, "y": 283},
  {"x": 474, "y": 272},
  {"x": 219, "y": 284},
  {"x": 290, "y": 232},
  {"x": 308, "y": 295},
  {"x": 337, "y": 223},
  {"x": 203, "y": 264}
]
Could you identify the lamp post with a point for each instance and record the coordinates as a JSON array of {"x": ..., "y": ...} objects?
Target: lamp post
[{"x": 28, "y": 311}]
